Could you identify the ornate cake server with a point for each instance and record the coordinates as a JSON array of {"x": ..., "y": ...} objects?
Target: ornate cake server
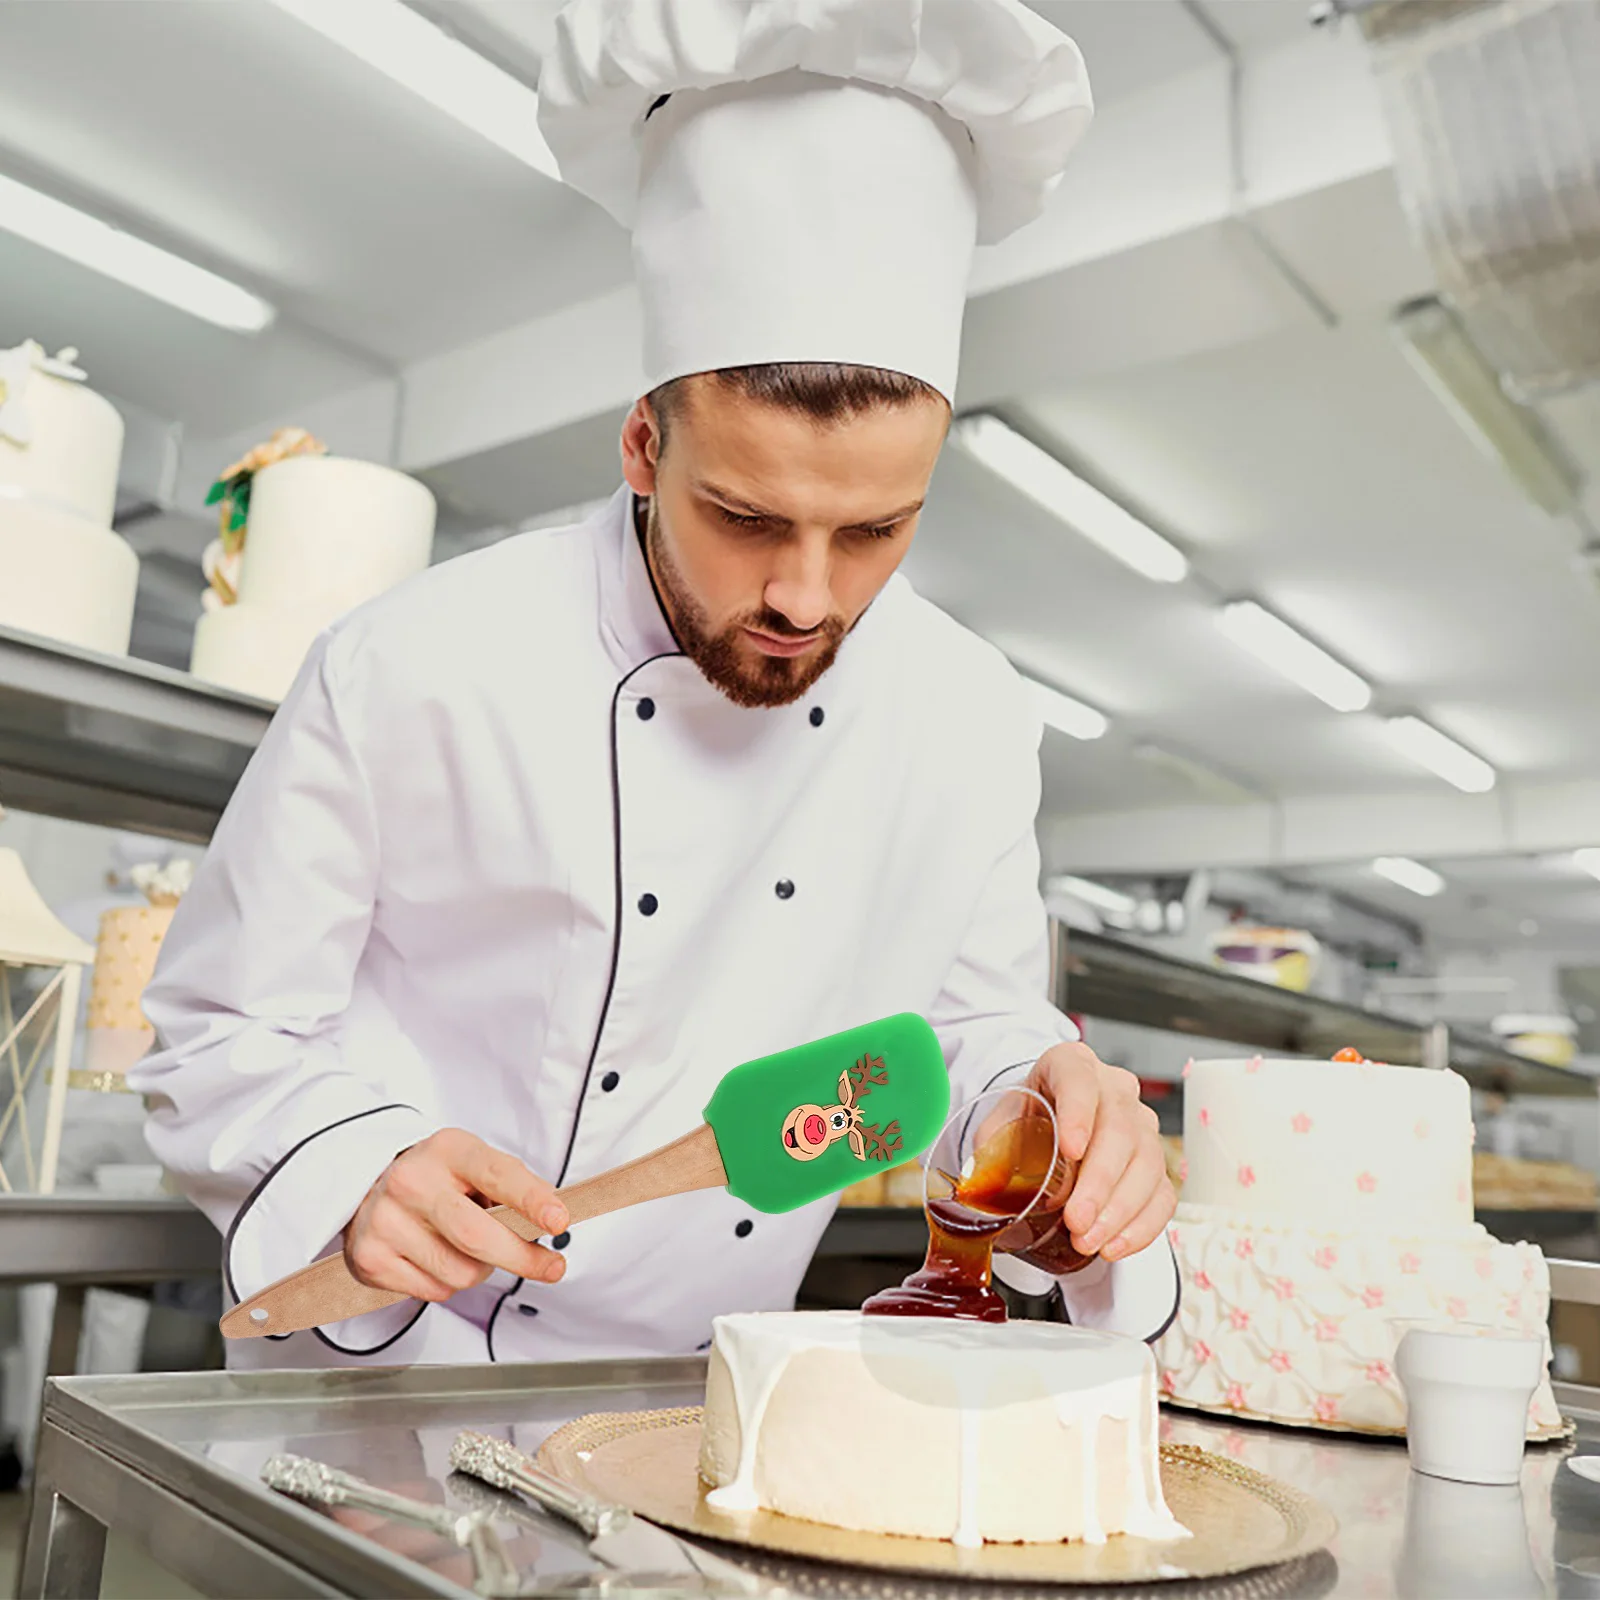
[
  {"x": 495, "y": 1574},
  {"x": 616, "y": 1536}
]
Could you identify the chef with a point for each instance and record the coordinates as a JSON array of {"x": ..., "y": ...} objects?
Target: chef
[{"x": 544, "y": 841}]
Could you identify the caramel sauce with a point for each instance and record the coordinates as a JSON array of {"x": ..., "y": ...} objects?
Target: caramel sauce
[{"x": 981, "y": 1213}]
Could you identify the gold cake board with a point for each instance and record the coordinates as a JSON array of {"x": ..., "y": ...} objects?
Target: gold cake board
[{"x": 1240, "y": 1519}]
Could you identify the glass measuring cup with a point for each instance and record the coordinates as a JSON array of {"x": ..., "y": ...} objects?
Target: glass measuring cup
[{"x": 995, "y": 1180}]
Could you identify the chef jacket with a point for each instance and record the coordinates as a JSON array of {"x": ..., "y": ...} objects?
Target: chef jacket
[{"x": 507, "y": 861}]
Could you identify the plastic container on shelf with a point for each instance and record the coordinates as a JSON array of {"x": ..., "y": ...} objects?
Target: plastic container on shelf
[
  {"x": 1549, "y": 1037},
  {"x": 1287, "y": 958}
]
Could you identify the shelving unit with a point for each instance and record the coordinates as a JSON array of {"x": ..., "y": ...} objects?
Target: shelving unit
[
  {"x": 124, "y": 743},
  {"x": 119, "y": 742},
  {"x": 1098, "y": 976}
]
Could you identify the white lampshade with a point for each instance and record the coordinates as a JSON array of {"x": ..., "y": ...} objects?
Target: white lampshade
[{"x": 30, "y": 932}]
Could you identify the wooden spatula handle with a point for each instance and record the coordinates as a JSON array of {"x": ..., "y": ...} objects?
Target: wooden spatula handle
[{"x": 326, "y": 1292}]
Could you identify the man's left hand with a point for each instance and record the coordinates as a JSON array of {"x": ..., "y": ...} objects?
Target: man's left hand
[{"x": 1122, "y": 1199}]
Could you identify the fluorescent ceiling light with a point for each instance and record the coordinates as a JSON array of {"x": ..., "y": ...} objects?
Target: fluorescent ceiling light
[
  {"x": 146, "y": 267},
  {"x": 1273, "y": 641},
  {"x": 1410, "y": 875},
  {"x": 1442, "y": 352},
  {"x": 420, "y": 56},
  {"x": 1064, "y": 494},
  {"x": 1099, "y": 895},
  {"x": 1062, "y": 712},
  {"x": 1441, "y": 755},
  {"x": 1588, "y": 859}
]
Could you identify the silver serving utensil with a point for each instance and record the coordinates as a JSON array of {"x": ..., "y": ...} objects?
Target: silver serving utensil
[
  {"x": 494, "y": 1573},
  {"x": 645, "y": 1555}
]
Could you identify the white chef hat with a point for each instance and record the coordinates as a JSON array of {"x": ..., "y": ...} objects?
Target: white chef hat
[{"x": 806, "y": 179}]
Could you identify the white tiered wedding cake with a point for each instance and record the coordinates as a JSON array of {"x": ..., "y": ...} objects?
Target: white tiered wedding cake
[
  {"x": 1325, "y": 1205},
  {"x": 63, "y": 572},
  {"x": 324, "y": 535},
  {"x": 967, "y": 1431}
]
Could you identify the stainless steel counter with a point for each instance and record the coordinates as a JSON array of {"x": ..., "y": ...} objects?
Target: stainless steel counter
[{"x": 172, "y": 1462}]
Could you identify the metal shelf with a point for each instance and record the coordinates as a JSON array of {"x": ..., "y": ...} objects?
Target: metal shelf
[
  {"x": 124, "y": 743},
  {"x": 120, "y": 742},
  {"x": 1098, "y": 976}
]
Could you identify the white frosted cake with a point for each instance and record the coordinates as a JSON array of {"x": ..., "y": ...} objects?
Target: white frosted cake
[
  {"x": 1009, "y": 1432},
  {"x": 63, "y": 572},
  {"x": 325, "y": 534},
  {"x": 1325, "y": 1204}
]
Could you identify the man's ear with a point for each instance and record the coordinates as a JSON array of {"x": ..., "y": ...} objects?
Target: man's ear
[{"x": 641, "y": 447}]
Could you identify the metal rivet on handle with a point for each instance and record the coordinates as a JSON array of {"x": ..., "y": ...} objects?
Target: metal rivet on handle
[{"x": 259, "y": 1315}]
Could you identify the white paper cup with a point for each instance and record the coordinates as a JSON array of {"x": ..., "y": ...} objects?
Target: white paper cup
[{"x": 1467, "y": 1390}]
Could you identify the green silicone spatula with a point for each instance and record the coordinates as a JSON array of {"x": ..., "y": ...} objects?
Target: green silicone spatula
[{"x": 780, "y": 1132}]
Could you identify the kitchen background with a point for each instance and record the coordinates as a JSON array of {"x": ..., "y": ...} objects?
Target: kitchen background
[{"x": 1276, "y": 474}]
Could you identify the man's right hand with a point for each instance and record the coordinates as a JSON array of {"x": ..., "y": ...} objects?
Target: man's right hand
[{"x": 423, "y": 1231}]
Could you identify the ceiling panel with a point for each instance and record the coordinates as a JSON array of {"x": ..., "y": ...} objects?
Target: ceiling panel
[{"x": 237, "y": 136}]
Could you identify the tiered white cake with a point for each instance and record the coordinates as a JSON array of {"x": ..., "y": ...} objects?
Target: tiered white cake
[
  {"x": 63, "y": 572},
  {"x": 1325, "y": 1204},
  {"x": 1011, "y": 1432},
  {"x": 325, "y": 534}
]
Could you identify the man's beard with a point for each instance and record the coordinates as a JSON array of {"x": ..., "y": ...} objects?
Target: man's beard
[{"x": 766, "y": 681}]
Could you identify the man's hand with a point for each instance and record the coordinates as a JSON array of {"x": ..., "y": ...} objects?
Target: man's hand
[
  {"x": 1122, "y": 1199},
  {"x": 422, "y": 1229}
]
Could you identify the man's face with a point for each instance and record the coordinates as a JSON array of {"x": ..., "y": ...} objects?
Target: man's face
[{"x": 769, "y": 533}]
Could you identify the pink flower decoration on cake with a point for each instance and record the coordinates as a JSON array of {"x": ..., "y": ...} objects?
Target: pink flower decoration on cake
[
  {"x": 1202, "y": 1351},
  {"x": 1327, "y": 1331},
  {"x": 1283, "y": 1288},
  {"x": 1527, "y": 1272},
  {"x": 1244, "y": 1247},
  {"x": 1514, "y": 1305},
  {"x": 1205, "y": 1116},
  {"x": 1378, "y": 1372},
  {"x": 1279, "y": 1361},
  {"x": 1233, "y": 1443},
  {"x": 1326, "y": 1258},
  {"x": 1365, "y": 1182},
  {"x": 1240, "y": 1318},
  {"x": 1174, "y": 1236},
  {"x": 1169, "y": 1384},
  {"x": 1484, "y": 1267},
  {"x": 1421, "y": 1130},
  {"x": 1234, "y": 1397},
  {"x": 1410, "y": 1263},
  {"x": 1372, "y": 1297},
  {"x": 1300, "y": 1122},
  {"x": 1326, "y": 1408},
  {"x": 1253, "y": 1064},
  {"x": 1456, "y": 1306},
  {"x": 1188, "y": 1067},
  {"x": 1247, "y": 1177},
  {"x": 1202, "y": 1278}
]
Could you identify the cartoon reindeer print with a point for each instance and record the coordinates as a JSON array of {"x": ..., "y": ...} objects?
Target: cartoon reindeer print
[{"x": 808, "y": 1130}]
